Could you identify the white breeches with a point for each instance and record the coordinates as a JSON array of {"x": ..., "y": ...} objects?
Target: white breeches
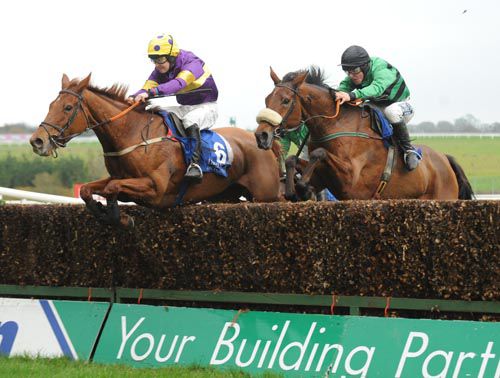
[
  {"x": 399, "y": 112},
  {"x": 204, "y": 115}
]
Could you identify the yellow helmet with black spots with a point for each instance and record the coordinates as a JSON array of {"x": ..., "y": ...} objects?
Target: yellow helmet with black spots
[{"x": 163, "y": 44}]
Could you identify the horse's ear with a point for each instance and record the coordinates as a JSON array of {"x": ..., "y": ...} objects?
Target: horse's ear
[
  {"x": 299, "y": 79},
  {"x": 84, "y": 83},
  {"x": 275, "y": 77},
  {"x": 65, "y": 81}
]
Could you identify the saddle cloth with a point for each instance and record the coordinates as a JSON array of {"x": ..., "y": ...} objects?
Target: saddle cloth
[
  {"x": 216, "y": 152},
  {"x": 382, "y": 126}
]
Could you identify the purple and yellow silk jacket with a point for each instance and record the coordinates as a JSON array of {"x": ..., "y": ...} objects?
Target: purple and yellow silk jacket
[{"x": 188, "y": 73}]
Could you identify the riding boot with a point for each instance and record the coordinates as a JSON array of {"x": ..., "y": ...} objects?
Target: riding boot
[
  {"x": 410, "y": 154},
  {"x": 194, "y": 172}
]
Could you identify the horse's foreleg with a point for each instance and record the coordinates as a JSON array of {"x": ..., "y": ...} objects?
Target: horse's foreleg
[
  {"x": 303, "y": 188},
  {"x": 93, "y": 206},
  {"x": 141, "y": 189},
  {"x": 291, "y": 169}
]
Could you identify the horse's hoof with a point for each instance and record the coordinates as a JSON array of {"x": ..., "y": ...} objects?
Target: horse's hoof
[
  {"x": 304, "y": 191},
  {"x": 97, "y": 210},
  {"x": 291, "y": 197},
  {"x": 127, "y": 222}
]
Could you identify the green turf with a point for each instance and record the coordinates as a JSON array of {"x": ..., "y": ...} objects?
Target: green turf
[
  {"x": 83, "y": 150},
  {"x": 64, "y": 368},
  {"x": 479, "y": 157}
]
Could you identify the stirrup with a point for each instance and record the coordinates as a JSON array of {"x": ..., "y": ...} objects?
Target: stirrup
[
  {"x": 194, "y": 172},
  {"x": 412, "y": 159}
]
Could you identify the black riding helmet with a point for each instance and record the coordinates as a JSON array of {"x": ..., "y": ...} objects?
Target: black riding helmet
[{"x": 355, "y": 56}]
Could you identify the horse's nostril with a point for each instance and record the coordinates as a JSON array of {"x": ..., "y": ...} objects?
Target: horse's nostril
[{"x": 38, "y": 143}]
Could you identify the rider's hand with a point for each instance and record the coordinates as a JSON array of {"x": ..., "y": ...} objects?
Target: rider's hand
[
  {"x": 342, "y": 97},
  {"x": 141, "y": 97},
  {"x": 130, "y": 100}
]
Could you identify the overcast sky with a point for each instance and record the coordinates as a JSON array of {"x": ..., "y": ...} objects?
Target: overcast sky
[{"x": 448, "y": 51}]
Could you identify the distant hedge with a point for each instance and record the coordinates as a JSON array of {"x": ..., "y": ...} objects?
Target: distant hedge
[
  {"x": 420, "y": 249},
  {"x": 21, "y": 171}
]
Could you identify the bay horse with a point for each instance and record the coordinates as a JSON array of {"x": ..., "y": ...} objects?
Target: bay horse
[
  {"x": 346, "y": 155},
  {"x": 148, "y": 172}
]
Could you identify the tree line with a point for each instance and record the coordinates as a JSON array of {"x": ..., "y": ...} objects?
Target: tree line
[
  {"x": 45, "y": 175},
  {"x": 465, "y": 124}
]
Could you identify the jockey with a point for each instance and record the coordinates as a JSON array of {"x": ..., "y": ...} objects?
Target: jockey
[
  {"x": 179, "y": 72},
  {"x": 373, "y": 79}
]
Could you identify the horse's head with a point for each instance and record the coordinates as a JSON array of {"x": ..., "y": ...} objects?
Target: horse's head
[
  {"x": 66, "y": 118},
  {"x": 283, "y": 109}
]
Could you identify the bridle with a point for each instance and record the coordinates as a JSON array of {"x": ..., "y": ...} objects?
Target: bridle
[
  {"x": 281, "y": 130},
  {"x": 60, "y": 140}
]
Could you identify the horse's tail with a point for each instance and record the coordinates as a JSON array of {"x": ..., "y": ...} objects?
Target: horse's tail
[{"x": 464, "y": 187}]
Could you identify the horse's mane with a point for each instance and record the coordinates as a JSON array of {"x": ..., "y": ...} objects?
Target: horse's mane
[
  {"x": 315, "y": 76},
  {"x": 116, "y": 91}
]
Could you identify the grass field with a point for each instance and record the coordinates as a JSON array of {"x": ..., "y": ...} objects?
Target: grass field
[
  {"x": 64, "y": 368},
  {"x": 479, "y": 157}
]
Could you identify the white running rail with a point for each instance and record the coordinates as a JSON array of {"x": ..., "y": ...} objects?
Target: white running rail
[
  {"x": 26, "y": 197},
  {"x": 38, "y": 197}
]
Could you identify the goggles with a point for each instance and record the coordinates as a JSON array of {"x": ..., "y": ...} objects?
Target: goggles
[
  {"x": 353, "y": 71},
  {"x": 159, "y": 60}
]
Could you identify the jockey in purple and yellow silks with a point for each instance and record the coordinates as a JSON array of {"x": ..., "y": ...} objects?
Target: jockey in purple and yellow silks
[{"x": 178, "y": 72}]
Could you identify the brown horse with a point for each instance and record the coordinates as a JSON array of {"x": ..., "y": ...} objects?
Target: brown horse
[
  {"x": 347, "y": 156},
  {"x": 147, "y": 171}
]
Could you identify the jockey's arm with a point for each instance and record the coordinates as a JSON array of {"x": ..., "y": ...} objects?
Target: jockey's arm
[
  {"x": 190, "y": 71},
  {"x": 382, "y": 79}
]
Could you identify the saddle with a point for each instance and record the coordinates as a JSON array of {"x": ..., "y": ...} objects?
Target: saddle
[
  {"x": 177, "y": 123},
  {"x": 379, "y": 123}
]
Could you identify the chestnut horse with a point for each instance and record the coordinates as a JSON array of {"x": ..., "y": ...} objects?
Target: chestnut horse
[
  {"x": 150, "y": 175},
  {"x": 346, "y": 155}
]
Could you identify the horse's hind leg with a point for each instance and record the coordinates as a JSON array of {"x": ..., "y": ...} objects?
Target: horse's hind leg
[{"x": 304, "y": 190}]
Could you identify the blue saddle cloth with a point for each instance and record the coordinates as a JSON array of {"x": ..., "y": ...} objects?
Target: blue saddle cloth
[
  {"x": 330, "y": 196},
  {"x": 386, "y": 130},
  {"x": 385, "y": 126},
  {"x": 216, "y": 152}
]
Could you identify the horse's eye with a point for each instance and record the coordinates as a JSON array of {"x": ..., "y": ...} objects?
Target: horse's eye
[
  {"x": 285, "y": 101},
  {"x": 67, "y": 108}
]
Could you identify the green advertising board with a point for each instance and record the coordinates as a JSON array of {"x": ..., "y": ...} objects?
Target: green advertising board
[
  {"x": 298, "y": 344},
  {"x": 82, "y": 321}
]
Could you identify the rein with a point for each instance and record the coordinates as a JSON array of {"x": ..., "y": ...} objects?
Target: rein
[
  {"x": 280, "y": 129},
  {"x": 60, "y": 140}
]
